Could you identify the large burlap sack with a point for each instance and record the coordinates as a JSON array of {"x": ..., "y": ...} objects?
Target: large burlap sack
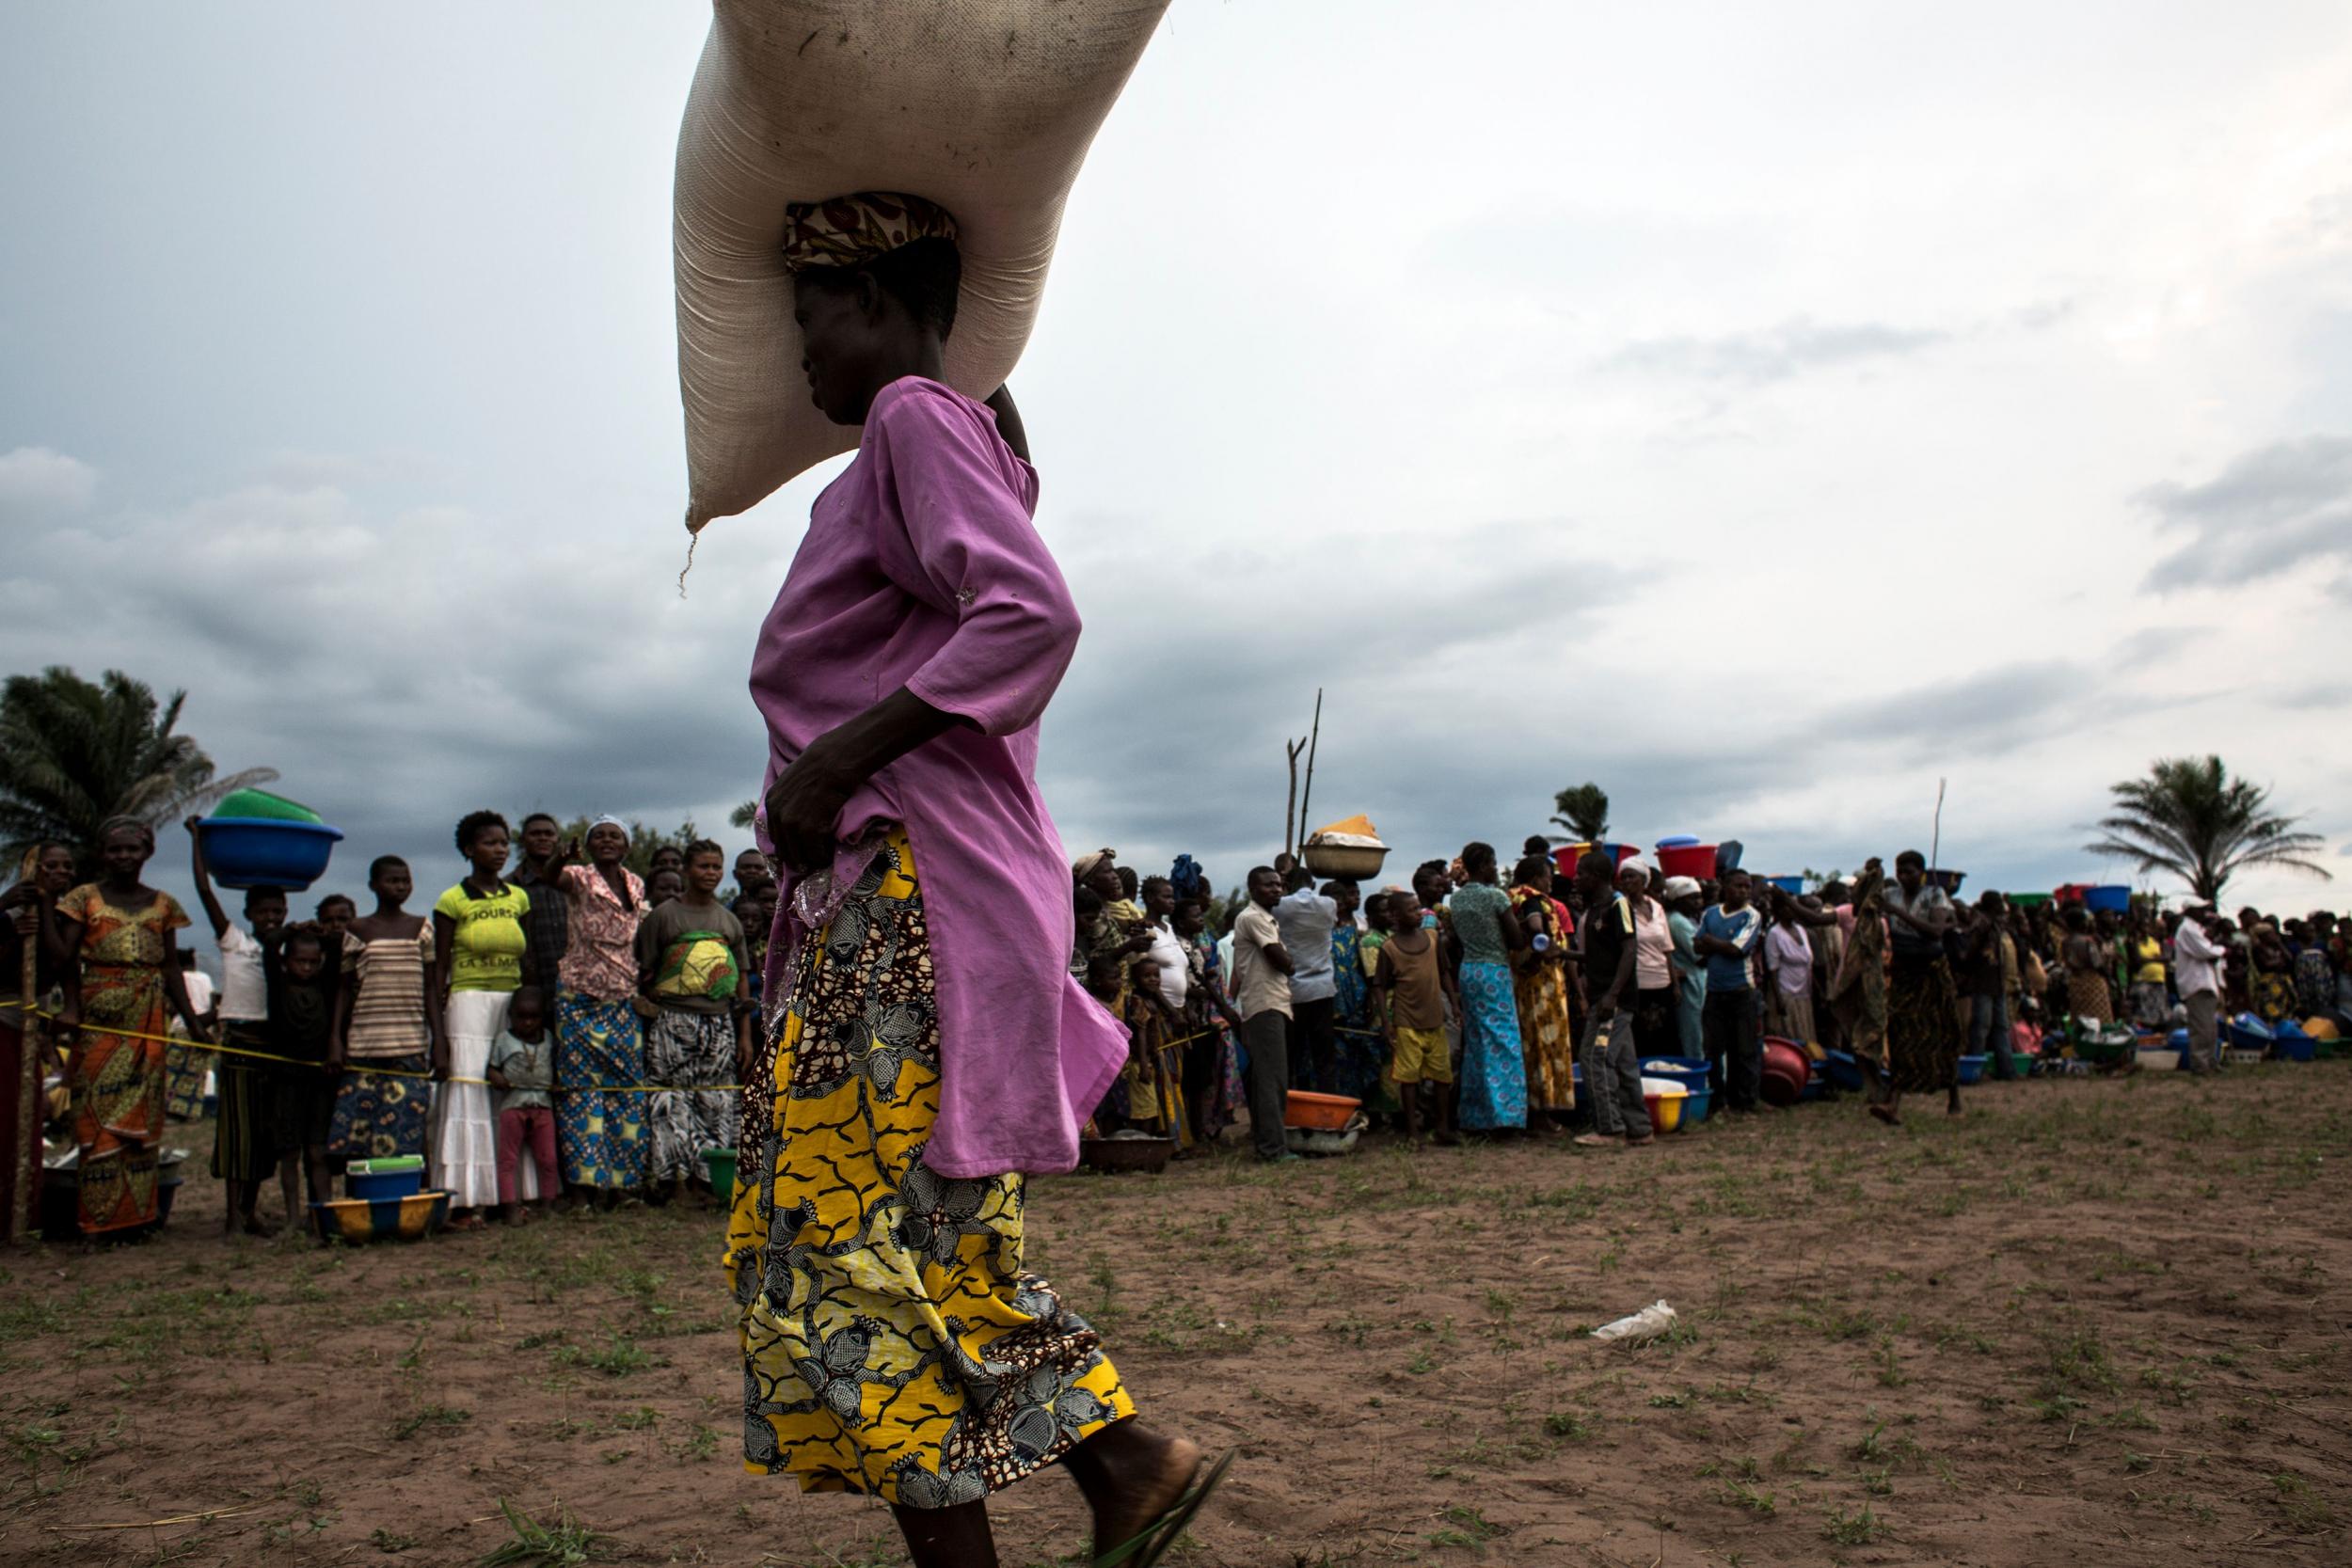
[{"x": 984, "y": 106}]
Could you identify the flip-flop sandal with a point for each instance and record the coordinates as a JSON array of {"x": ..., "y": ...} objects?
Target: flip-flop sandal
[{"x": 1150, "y": 1543}]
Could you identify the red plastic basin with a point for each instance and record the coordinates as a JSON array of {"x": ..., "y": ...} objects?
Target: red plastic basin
[{"x": 1695, "y": 861}]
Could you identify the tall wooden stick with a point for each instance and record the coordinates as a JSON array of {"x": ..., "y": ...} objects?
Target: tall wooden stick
[
  {"x": 1307, "y": 795},
  {"x": 1290, "y": 802},
  {"x": 1935, "y": 843}
]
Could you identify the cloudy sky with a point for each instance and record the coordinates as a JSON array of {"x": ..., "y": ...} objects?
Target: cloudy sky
[{"x": 1762, "y": 411}]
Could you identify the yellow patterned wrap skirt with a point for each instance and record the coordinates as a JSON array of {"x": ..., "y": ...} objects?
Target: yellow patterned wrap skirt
[{"x": 892, "y": 1342}]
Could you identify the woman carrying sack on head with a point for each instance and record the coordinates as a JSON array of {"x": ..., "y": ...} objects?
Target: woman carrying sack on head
[{"x": 925, "y": 1046}]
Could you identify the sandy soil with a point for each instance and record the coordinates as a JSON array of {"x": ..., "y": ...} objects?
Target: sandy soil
[{"x": 2091, "y": 1321}]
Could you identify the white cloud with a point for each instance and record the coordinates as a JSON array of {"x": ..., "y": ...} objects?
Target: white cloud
[
  {"x": 1573, "y": 394},
  {"x": 36, "y": 484}
]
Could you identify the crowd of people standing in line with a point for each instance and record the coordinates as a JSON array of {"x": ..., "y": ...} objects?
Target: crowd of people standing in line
[
  {"x": 1458, "y": 1002},
  {"x": 573, "y": 1033},
  {"x": 566, "y": 1033}
]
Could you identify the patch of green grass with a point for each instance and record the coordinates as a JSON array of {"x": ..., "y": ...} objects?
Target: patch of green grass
[
  {"x": 1466, "y": 1526},
  {"x": 564, "y": 1543},
  {"x": 388, "y": 1543},
  {"x": 428, "y": 1415},
  {"x": 1568, "y": 1426},
  {"x": 619, "y": 1357},
  {"x": 1852, "y": 1530},
  {"x": 1738, "y": 1494}
]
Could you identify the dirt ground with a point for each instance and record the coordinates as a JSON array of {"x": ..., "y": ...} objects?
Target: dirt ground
[{"x": 2091, "y": 1322}]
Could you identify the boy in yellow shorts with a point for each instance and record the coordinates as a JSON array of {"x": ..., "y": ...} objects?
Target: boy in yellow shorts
[{"x": 1414, "y": 987}]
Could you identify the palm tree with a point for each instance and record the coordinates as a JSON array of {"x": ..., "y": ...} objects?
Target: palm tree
[
  {"x": 74, "y": 754},
  {"x": 2189, "y": 817},
  {"x": 1583, "y": 810},
  {"x": 744, "y": 815}
]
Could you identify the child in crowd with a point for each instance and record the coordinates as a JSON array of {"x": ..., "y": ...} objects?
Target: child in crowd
[
  {"x": 663, "y": 886},
  {"x": 756, "y": 911},
  {"x": 522, "y": 1070},
  {"x": 336, "y": 914},
  {"x": 1414, "y": 987},
  {"x": 243, "y": 1153},
  {"x": 691, "y": 963},
  {"x": 304, "y": 993},
  {"x": 185, "y": 1063}
]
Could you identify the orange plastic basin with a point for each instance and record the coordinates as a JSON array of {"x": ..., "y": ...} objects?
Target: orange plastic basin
[{"x": 1318, "y": 1112}]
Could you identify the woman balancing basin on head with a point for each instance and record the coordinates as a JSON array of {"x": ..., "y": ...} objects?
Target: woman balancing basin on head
[{"x": 925, "y": 1045}]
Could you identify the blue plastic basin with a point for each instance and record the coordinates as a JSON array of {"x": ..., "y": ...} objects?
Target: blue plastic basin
[
  {"x": 1692, "y": 1072},
  {"x": 1972, "y": 1068},
  {"x": 388, "y": 1186},
  {"x": 256, "y": 851},
  {"x": 1844, "y": 1071},
  {"x": 2113, "y": 898}
]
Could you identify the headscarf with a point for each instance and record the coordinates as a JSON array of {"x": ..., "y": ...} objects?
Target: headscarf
[
  {"x": 1637, "y": 866},
  {"x": 1187, "y": 878},
  {"x": 609, "y": 821},
  {"x": 848, "y": 230},
  {"x": 140, "y": 826},
  {"x": 1085, "y": 865},
  {"x": 1679, "y": 888}
]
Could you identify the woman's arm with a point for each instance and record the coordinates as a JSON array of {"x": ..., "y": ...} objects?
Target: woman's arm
[
  {"x": 176, "y": 990},
  {"x": 213, "y": 911},
  {"x": 68, "y": 1025},
  {"x": 806, "y": 802},
  {"x": 436, "y": 996},
  {"x": 1008, "y": 423}
]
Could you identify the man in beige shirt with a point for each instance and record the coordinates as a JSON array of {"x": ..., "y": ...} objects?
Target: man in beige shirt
[{"x": 1261, "y": 994}]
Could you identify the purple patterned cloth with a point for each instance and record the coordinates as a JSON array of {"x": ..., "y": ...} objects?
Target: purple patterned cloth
[{"x": 922, "y": 568}]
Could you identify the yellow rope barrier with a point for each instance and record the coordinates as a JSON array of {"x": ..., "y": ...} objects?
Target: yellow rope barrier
[{"x": 374, "y": 1071}]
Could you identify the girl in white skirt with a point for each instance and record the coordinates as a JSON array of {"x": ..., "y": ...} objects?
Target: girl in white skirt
[{"x": 478, "y": 947}]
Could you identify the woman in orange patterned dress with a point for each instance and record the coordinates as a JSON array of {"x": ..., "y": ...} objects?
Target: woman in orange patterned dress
[{"x": 113, "y": 1025}]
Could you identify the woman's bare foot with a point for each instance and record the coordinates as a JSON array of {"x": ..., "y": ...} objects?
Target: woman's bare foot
[
  {"x": 1131, "y": 1475},
  {"x": 1886, "y": 1114}
]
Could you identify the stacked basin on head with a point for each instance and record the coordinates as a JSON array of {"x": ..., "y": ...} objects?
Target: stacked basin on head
[
  {"x": 1565, "y": 858},
  {"x": 1686, "y": 857},
  {"x": 257, "y": 839}
]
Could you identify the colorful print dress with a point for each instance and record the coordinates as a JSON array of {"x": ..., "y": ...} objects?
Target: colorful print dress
[
  {"x": 1546, "y": 1040},
  {"x": 119, "y": 1086},
  {"x": 1494, "y": 1067},
  {"x": 892, "y": 1344},
  {"x": 599, "y": 1044},
  {"x": 380, "y": 1104}
]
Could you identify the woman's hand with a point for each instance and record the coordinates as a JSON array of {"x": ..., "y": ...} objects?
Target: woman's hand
[{"x": 804, "y": 805}]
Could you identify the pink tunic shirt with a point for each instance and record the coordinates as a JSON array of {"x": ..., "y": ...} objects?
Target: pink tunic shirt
[{"x": 922, "y": 569}]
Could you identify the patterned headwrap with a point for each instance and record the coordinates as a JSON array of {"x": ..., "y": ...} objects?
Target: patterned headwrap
[
  {"x": 1084, "y": 866},
  {"x": 850, "y": 229},
  {"x": 144, "y": 828},
  {"x": 609, "y": 821}
]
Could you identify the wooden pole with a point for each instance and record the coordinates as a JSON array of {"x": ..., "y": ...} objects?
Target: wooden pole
[
  {"x": 1935, "y": 842},
  {"x": 1307, "y": 795},
  {"x": 1290, "y": 802}
]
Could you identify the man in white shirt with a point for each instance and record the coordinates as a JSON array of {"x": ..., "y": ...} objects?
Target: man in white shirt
[
  {"x": 1261, "y": 994},
  {"x": 2197, "y": 955},
  {"x": 1307, "y": 919}
]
